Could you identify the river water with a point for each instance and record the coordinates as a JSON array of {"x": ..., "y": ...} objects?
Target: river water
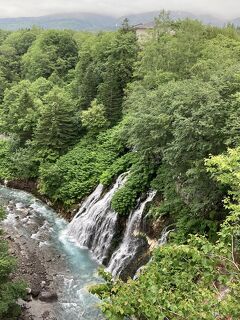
[{"x": 70, "y": 267}]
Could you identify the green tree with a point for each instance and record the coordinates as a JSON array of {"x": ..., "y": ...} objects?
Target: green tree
[
  {"x": 94, "y": 119},
  {"x": 57, "y": 127},
  {"x": 22, "y": 40},
  {"x": 12, "y": 48},
  {"x": 176, "y": 127},
  {"x": 105, "y": 67},
  {"x": 117, "y": 72},
  {"x": 19, "y": 111},
  {"x": 53, "y": 51}
]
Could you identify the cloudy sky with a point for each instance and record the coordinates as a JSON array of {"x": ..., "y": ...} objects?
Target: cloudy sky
[{"x": 17, "y": 8}]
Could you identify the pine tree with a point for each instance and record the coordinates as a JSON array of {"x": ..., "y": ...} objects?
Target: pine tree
[
  {"x": 110, "y": 94},
  {"x": 57, "y": 128}
]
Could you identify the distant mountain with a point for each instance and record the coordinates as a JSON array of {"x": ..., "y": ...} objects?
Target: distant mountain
[
  {"x": 236, "y": 22},
  {"x": 75, "y": 21},
  {"x": 149, "y": 16},
  {"x": 96, "y": 22}
]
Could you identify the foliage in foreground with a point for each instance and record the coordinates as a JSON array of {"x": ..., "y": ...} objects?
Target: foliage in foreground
[{"x": 192, "y": 281}]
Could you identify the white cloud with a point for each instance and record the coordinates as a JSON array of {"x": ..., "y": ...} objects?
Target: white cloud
[{"x": 14, "y": 8}]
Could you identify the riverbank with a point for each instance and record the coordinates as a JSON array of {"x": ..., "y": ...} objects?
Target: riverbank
[
  {"x": 31, "y": 186},
  {"x": 31, "y": 267},
  {"x": 56, "y": 271}
]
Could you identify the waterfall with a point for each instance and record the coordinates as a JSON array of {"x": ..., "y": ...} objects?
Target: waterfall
[
  {"x": 94, "y": 225},
  {"x": 131, "y": 243},
  {"x": 90, "y": 201},
  {"x": 164, "y": 236}
]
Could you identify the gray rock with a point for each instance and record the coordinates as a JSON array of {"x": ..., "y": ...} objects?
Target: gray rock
[
  {"x": 28, "y": 290},
  {"x": 28, "y": 298},
  {"x": 35, "y": 292},
  {"x": 48, "y": 296}
]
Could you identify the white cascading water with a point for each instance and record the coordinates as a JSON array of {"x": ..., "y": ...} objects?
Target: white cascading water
[
  {"x": 164, "y": 236},
  {"x": 95, "y": 223},
  {"x": 127, "y": 250},
  {"x": 89, "y": 202}
]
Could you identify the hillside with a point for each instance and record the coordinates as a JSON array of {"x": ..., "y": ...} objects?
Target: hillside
[
  {"x": 149, "y": 16},
  {"x": 79, "y": 21},
  {"x": 236, "y": 22},
  {"x": 95, "y": 22}
]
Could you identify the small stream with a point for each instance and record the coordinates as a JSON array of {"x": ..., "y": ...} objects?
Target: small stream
[{"x": 70, "y": 267}]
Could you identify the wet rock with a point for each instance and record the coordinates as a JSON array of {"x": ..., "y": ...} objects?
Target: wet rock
[
  {"x": 48, "y": 296},
  {"x": 8, "y": 237},
  {"x": 28, "y": 298},
  {"x": 22, "y": 304},
  {"x": 35, "y": 292},
  {"x": 28, "y": 290},
  {"x": 12, "y": 251},
  {"x": 23, "y": 254},
  {"x": 25, "y": 214},
  {"x": 140, "y": 257},
  {"x": 45, "y": 315}
]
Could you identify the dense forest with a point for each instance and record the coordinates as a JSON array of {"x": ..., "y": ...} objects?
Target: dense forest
[{"x": 78, "y": 108}]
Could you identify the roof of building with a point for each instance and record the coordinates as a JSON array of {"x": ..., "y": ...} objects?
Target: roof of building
[{"x": 149, "y": 25}]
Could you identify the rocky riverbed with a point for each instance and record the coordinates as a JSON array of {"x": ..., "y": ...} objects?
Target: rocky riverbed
[
  {"x": 32, "y": 268},
  {"x": 56, "y": 271}
]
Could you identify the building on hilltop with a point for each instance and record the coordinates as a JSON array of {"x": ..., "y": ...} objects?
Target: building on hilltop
[{"x": 144, "y": 30}]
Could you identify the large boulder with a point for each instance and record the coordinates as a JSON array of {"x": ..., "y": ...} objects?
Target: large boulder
[{"x": 48, "y": 296}]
